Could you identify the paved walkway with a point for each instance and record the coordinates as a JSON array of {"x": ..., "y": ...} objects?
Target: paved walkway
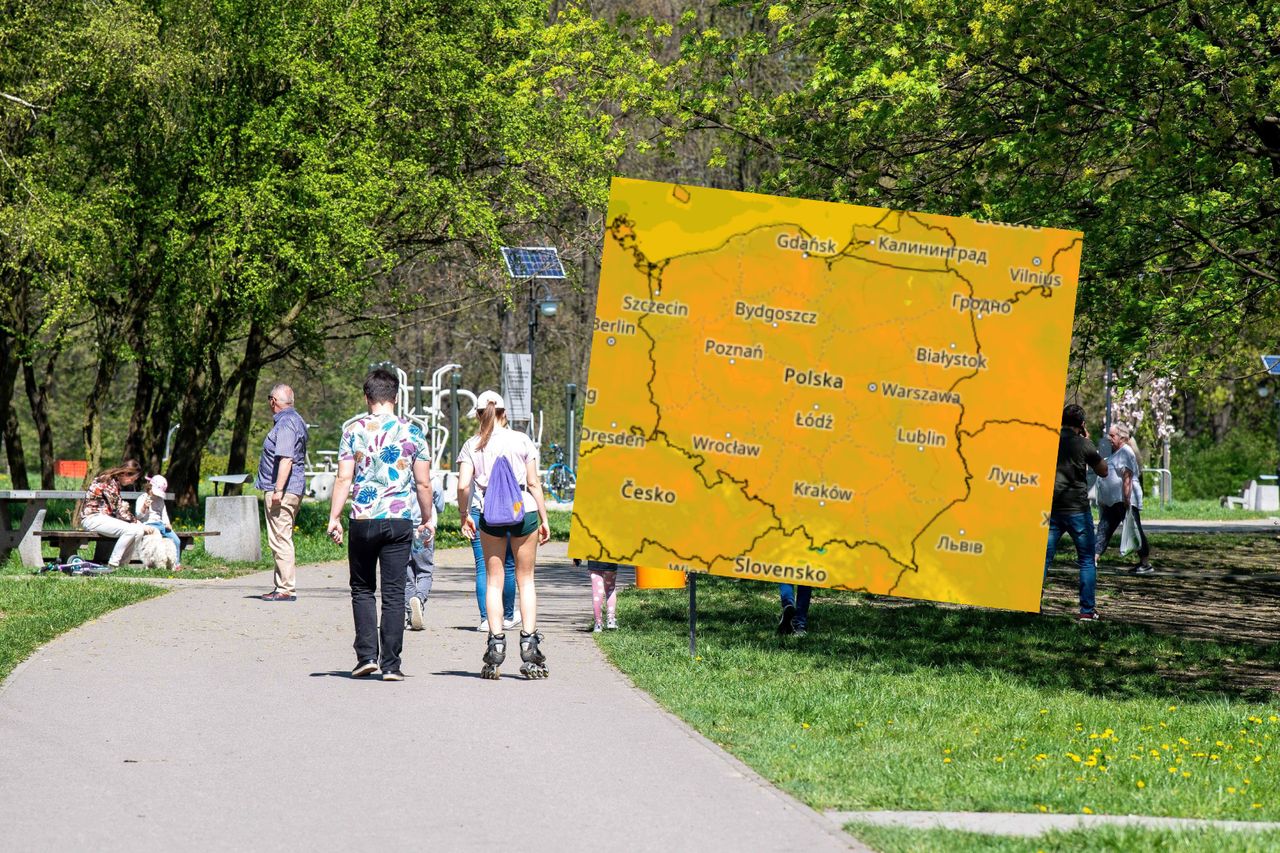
[
  {"x": 1251, "y": 525},
  {"x": 207, "y": 720},
  {"x": 1032, "y": 825}
]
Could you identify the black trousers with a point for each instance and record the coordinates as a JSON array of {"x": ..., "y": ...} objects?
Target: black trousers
[
  {"x": 1110, "y": 518},
  {"x": 377, "y": 541}
]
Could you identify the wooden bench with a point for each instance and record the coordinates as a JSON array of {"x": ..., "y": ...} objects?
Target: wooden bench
[{"x": 68, "y": 542}]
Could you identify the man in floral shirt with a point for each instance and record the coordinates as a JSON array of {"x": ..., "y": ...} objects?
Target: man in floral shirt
[{"x": 384, "y": 463}]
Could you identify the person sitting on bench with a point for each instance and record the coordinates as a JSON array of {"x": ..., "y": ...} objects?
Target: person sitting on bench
[{"x": 103, "y": 511}]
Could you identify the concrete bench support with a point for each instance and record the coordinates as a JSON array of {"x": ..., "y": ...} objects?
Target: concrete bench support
[
  {"x": 29, "y": 547},
  {"x": 236, "y": 520}
]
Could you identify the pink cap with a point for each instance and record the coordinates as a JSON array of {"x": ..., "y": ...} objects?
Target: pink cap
[{"x": 159, "y": 485}]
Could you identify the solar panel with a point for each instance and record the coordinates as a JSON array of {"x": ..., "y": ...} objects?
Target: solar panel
[{"x": 532, "y": 262}]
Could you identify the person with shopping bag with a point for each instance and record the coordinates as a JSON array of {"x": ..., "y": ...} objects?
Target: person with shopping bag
[{"x": 1120, "y": 500}]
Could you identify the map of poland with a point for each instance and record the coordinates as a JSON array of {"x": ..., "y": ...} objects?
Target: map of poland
[{"x": 824, "y": 394}]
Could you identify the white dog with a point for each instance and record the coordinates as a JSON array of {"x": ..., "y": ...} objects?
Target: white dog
[{"x": 157, "y": 552}]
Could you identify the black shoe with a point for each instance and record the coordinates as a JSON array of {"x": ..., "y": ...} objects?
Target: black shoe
[
  {"x": 799, "y": 630},
  {"x": 367, "y": 668},
  {"x": 1144, "y": 569},
  {"x": 394, "y": 675},
  {"x": 784, "y": 624}
]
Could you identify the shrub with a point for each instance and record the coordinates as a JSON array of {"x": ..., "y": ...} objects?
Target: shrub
[{"x": 1204, "y": 469}]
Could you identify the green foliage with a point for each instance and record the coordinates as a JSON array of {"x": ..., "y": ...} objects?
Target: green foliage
[
  {"x": 1152, "y": 130},
  {"x": 1203, "y": 468},
  {"x": 218, "y": 185}
]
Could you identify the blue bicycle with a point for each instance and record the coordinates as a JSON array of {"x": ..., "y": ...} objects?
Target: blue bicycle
[{"x": 558, "y": 480}]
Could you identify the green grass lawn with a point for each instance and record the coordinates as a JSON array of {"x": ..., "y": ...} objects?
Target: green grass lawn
[
  {"x": 310, "y": 542},
  {"x": 1197, "y": 510},
  {"x": 893, "y": 705},
  {"x": 34, "y": 611},
  {"x": 1112, "y": 838}
]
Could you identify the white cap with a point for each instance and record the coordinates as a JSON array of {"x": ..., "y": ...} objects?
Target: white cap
[{"x": 487, "y": 397}]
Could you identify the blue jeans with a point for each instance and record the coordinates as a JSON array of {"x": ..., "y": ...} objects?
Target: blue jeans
[
  {"x": 508, "y": 575},
  {"x": 420, "y": 572},
  {"x": 171, "y": 536},
  {"x": 797, "y": 597},
  {"x": 1079, "y": 526}
]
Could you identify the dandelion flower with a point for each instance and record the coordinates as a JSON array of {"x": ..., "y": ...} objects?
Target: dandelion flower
[
  {"x": 1087, "y": 810},
  {"x": 1141, "y": 784}
]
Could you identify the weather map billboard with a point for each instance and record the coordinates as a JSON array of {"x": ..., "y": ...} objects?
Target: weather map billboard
[{"x": 825, "y": 394}]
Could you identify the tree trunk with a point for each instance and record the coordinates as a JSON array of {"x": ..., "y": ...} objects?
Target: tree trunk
[
  {"x": 251, "y": 368},
  {"x": 38, "y": 396},
  {"x": 12, "y": 436},
  {"x": 140, "y": 437},
  {"x": 92, "y": 425}
]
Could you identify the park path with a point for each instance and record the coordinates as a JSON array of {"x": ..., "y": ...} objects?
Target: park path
[{"x": 207, "y": 720}]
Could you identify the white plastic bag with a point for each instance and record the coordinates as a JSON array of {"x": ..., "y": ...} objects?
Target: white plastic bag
[{"x": 1129, "y": 540}]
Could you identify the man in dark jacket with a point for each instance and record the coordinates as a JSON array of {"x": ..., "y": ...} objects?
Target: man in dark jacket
[{"x": 1070, "y": 512}]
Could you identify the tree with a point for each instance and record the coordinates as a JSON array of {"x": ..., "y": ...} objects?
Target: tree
[
  {"x": 1154, "y": 128},
  {"x": 234, "y": 181}
]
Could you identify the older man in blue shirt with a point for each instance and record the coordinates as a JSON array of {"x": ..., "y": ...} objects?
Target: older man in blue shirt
[{"x": 280, "y": 477}]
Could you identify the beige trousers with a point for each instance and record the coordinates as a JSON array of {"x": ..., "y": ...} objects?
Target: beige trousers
[{"x": 280, "y": 519}]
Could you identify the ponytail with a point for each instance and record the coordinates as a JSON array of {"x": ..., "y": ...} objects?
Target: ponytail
[{"x": 488, "y": 417}]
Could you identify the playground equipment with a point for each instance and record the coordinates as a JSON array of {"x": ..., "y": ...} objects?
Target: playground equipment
[{"x": 438, "y": 406}]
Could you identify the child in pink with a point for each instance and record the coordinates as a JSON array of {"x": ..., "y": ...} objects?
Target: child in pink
[{"x": 604, "y": 591}]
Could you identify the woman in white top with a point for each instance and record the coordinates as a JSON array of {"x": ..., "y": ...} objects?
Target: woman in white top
[
  {"x": 475, "y": 464},
  {"x": 1120, "y": 494}
]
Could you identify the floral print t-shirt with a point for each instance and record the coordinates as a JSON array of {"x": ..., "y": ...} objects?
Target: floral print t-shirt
[
  {"x": 103, "y": 497},
  {"x": 384, "y": 448}
]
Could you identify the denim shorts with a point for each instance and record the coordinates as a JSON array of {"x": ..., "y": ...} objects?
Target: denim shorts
[{"x": 531, "y": 523}]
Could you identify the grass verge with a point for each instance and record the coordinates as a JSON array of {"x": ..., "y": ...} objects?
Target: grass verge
[
  {"x": 887, "y": 705},
  {"x": 1198, "y": 510},
  {"x": 1116, "y": 838},
  {"x": 33, "y": 612}
]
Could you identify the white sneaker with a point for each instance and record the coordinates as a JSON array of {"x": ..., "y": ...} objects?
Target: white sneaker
[
  {"x": 612, "y": 624},
  {"x": 597, "y": 628},
  {"x": 513, "y": 622},
  {"x": 484, "y": 626},
  {"x": 415, "y": 614}
]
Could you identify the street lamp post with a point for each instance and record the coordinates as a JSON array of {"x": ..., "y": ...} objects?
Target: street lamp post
[
  {"x": 548, "y": 306},
  {"x": 533, "y": 263}
]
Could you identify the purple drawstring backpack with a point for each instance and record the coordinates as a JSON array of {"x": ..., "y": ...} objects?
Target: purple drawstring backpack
[{"x": 503, "y": 500}]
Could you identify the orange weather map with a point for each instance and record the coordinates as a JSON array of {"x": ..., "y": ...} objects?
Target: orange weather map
[{"x": 825, "y": 394}]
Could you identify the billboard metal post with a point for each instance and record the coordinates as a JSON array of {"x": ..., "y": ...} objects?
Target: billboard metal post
[
  {"x": 570, "y": 405},
  {"x": 692, "y": 580}
]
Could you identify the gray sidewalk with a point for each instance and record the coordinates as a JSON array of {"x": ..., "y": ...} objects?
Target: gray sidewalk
[{"x": 207, "y": 720}]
